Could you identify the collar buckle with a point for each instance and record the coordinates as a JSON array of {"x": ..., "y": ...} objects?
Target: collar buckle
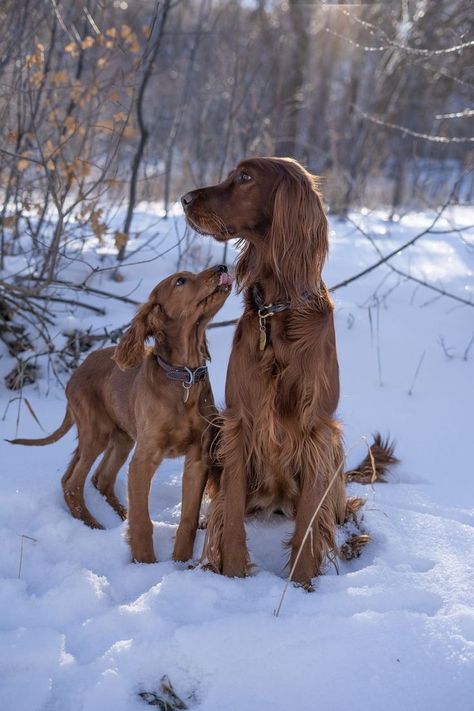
[
  {"x": 265, "y": 311},
  {"x": 186, "y": 376},
  {"x": 192, "y": 377}
]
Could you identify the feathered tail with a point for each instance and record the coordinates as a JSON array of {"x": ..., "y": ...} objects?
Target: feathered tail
[
  {"x": 65, "y": 426},
  {"x": 379, "y": 459}
]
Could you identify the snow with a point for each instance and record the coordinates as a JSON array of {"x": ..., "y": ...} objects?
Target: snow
[{"x": 83, "y": 629}]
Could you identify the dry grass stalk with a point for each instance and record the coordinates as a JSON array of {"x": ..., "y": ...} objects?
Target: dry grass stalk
[
  {"x": 353, "y": 547},
  {"x": 24, "y": 537},
  {"x": 307, "y": 532}
]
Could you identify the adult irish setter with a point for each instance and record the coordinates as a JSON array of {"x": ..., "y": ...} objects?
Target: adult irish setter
[
  {"x": 280, "y": 443},
  {"x": 159, "y": 398}
]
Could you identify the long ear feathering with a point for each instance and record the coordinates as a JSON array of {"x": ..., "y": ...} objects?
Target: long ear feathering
[
  {"x": 299, "y": 233},
  {"x": 130, "y": 351},
  {"x": 248, "y": 265}
]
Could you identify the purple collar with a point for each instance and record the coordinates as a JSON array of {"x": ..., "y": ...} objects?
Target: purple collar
[{"x": 187, "y": 376}]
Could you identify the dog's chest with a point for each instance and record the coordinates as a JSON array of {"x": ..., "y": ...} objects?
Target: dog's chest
[
  {"x": 177, "y": 437},
  {"x": 187, "y": 428}
]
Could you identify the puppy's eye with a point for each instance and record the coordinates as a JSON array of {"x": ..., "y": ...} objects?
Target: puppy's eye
[
  {"x": 244, "y": 177},
  {"x": 180, "y": 281}
]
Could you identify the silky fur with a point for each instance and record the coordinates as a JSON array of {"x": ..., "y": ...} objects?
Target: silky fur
[
  {"x": 120, "y": 396},
  {"x": 280, "y": 442}
]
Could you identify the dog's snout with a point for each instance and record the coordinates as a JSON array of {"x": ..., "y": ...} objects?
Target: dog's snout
[
  {"x": 221, "y": 268},
  {"x": 187, "y": 199}
]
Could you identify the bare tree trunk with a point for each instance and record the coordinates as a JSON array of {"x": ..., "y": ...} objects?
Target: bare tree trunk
[
  {"x": 180, "y": 110},
  {"x": 144, "y": 133},
  {"x": 291, "y": 98}
]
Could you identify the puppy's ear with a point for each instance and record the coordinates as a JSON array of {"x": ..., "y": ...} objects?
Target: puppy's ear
[
  {"x": 131, "y": 349},
  {"x": 299, "y": 234}
]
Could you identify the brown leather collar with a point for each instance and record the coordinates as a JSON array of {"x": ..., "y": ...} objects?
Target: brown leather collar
[{"x": 187, "y": 376}]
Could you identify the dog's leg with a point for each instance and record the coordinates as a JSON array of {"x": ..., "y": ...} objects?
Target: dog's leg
[
  {"x": 235, "y": 557},
  {"x": 307, "y": 557},
  {"x": 67, "y": 474},
  {"x": 194, "y": 481},
  {"x": 114, "y": 458},
  {"x": 140, "y": 528},
  {"x": 226, "y": 547},
  {"x": 318, "y": 491},
  {"x": 75, "y": 476}
]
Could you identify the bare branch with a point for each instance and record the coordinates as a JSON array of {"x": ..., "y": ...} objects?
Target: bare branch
[
  {"x": 373, "y": 29},
  {"x": 415, "y": 134},
  {"x": 404, "y": 274},
  {"x": 458, "y": 114}
]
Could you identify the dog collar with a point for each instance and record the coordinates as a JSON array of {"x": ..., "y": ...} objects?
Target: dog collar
[
  {"x": 187, "y": 376},
  {"x": 265, "y": 311}
]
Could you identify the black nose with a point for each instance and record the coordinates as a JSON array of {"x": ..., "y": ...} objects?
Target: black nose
[
  {"x": 187, "y": 199},
  {"x": 221, "y": 268}
]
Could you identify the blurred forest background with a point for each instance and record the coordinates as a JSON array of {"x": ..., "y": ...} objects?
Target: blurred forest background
[{"x": 106, "y": 103}]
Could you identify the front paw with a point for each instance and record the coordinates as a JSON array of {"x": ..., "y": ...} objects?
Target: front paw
[
  {"x": 143, "y": 555},
  {"x": 184, "y": 544},
  {"x": 236, "y": 564},
  {"x": 182, "y": 553}
]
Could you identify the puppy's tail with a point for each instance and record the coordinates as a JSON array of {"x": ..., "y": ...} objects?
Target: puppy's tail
[
  {"x": 374, "y": 467},
  {"x": 65, "y": 426}
]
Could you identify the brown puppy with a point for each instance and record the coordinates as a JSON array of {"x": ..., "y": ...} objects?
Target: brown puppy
[
  {"x": 280, "y": 443},
  {"x": 159, "y": 398}
]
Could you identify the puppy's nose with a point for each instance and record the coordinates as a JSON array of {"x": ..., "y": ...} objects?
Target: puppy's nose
[
  {"x": 221, "y": 268},
  {"x": 187, "y": 199}
]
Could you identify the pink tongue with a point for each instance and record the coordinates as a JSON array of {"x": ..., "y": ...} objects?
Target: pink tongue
[{"x": 225, "y": 279}]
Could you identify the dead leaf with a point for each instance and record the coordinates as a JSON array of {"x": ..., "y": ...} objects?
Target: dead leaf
[
  {"x": 87, "y": 42},
  {"x": 120, "y": 239},
  {"x": 72, "y": 48},
  {"x": 60, "y": 78},
  {"x": 22, "y": 164}
]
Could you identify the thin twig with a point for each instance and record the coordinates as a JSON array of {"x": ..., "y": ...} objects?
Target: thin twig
[
  {"x": 318, "y": 508},
  {"x": 87, "y": 289},
  {"x": 305, "y": 537},
  {"x": 418, "y": 368},
  {"x": 416, "y": 134},
  {"x": 418, "y": 51},
  {"x": 23, "y": 538},
  {"x": 47, "y": 297},
  {"x": 468, "y": 348},
  {"x": 396, "y": 270}
]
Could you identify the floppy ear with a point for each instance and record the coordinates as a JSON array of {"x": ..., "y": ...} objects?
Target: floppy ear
[
  {"x": 299, "y": 234},
  {"x": 131, "y": 349},
  {"x": 246, "y": 265}
]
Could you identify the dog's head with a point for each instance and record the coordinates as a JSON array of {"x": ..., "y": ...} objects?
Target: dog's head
[
  {"x": 182, "y": 301},
  {"x": 274, "y": 206}
]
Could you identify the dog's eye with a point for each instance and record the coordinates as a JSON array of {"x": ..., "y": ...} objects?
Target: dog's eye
[
  {"x": 180, "y": 281},
  {"x": 244, "y": 177}
]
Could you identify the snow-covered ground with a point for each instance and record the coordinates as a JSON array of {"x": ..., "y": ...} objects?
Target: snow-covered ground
[{"x": 83, "y": 629}]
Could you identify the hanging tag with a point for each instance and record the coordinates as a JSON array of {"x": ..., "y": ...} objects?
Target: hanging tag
[
  {"x": 187, "y": 388},
  {"x": 262, "y": 341}
]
